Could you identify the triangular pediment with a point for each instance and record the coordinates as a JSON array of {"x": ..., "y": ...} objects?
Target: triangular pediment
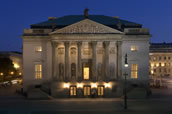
[{"x": 86, "y": 26}]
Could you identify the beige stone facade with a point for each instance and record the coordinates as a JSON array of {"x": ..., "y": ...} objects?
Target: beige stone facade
[{"x": 85, "y": 59}]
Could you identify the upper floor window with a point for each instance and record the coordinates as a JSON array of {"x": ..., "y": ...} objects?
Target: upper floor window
[
  {"x": 169, "y": 58},
  {"x": 133, "y": 48},
  {"x": 38, "y": 71},
  {"x": 165, "y": 58},
  {"x": 159, "y": 58},
  {"x": 134, "y": 71},
  {"x": 38, "y": 49}
]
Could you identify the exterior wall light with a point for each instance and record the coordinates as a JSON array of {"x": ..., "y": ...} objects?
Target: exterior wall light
[
  {"x": 126, "y": 63},
  {"x": 93, "y": 85},
  {"x": 1, "y": 74},
  {"x": 20, "y": 73},
  {"x": 107, "y": 85},
  {"x": 79, "y": 85},
  {"x": 11, "y": 73},
  {"x": 66, "y": 85}
]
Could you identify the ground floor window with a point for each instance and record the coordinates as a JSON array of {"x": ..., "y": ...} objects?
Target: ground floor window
[
  {"x": 87, "y": 90},
  {"x": 72, "y": 90},
  {"x": 100, "y": 90}
]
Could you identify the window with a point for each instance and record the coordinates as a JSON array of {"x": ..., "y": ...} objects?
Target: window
[
  {"x": 134, "y": 71},
  {"x": 72, "y": 90},
  {"x": 133, "y": 48},
  {"x": 159, "y": 64},
  {"x": 86, "y": 73},
  {"x": 38, "y": 71},
  {"x": 164, "y": 58},
  {"x": 100, "y": 90},
  {"x": 159, "y": 58},
  {"x": 87, "y": 90},
  {"x": 38, "y": 49},
  {"x": 169, "y": 58},
  {"x": 154, "y": 70},
  {"x": 159, "y": 70}
]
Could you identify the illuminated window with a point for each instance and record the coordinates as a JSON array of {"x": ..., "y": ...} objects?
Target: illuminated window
[
  {"x": 86, "y": 73},
  {"x": 38, "y": 49},
  {"x": 100, "y": 90},
  {"x": 38, "y": 71},
  {"x": 134, "y": 71},
  {"x": 87, "y": 90},
  {"x": 73, "y": 91},
  {"x": 133, "y": 48}
]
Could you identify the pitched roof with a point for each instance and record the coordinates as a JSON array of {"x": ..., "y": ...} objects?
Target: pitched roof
[{"x": 71, "y": 19}]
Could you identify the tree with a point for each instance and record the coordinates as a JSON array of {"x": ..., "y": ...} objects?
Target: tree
[{"x": 6, "y": 67}]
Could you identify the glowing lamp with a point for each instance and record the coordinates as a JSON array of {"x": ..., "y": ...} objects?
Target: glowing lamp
[
  {"x": 107, "y": 85},
  {"x": 16, "y": 66},
  {"x": 11, "y": 73},
  {"x": 66, "y": 85},
  {"x": 94, "y": 85},
  {"x": 1, "y": 74},
  {"x": 79, "y": 85}
]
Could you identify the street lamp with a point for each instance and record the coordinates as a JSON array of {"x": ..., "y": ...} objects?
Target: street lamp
[{"x": 125, "y": 83}]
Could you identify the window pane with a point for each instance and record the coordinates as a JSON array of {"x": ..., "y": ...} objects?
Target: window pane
[
  {"x": 134, "y": 70},
  {"x": 38, "y": 71}
]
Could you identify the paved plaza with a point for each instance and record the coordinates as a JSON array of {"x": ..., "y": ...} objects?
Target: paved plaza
[{"x": 159, "y": 103}]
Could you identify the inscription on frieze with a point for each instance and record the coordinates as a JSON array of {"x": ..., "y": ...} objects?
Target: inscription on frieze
[{"x": 61, "y": 50}]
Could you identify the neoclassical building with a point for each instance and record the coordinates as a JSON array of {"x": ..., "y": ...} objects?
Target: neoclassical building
[{"x": 83, "y": 55}]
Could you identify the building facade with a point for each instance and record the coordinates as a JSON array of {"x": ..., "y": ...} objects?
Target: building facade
[
  {"x": 83, "y": 55},
  {"x": 160, "y": 59}
]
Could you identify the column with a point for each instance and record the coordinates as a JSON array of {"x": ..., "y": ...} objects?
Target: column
[
  {"x": 94, "y": 70},
  {"x": 66, "y": 61},
  {"x": 119, "y": 59},
  {"x": 106, "y": 60},
  {"x": 54, "y": 45},
  {"x": 79, "y": 44}
]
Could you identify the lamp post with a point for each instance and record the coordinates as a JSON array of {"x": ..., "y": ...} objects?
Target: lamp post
[{"x": 125, "y": 83}]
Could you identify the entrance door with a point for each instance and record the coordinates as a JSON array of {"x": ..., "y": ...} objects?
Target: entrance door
[
  {"x": 86, "y": 72},
  {"x": 72, "y": 91},
  {"x": 86, "y": 66},
  {"x": 100, "y": 90},
  {"x": 87, "y": 90}
]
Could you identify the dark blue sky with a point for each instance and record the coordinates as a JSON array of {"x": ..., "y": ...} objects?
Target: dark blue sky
[{"x": 19, "y": 14}]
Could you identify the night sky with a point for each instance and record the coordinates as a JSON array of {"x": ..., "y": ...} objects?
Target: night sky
[{"x": 19, "y": 14}]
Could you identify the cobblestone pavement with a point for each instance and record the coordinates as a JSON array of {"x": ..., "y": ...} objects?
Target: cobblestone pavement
[{"x": 159, "y": 103}]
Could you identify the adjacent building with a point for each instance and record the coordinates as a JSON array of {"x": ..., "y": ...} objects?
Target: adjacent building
[
  {"x": 161, "y": 59},
  {"x": 84, "y": 55}
]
